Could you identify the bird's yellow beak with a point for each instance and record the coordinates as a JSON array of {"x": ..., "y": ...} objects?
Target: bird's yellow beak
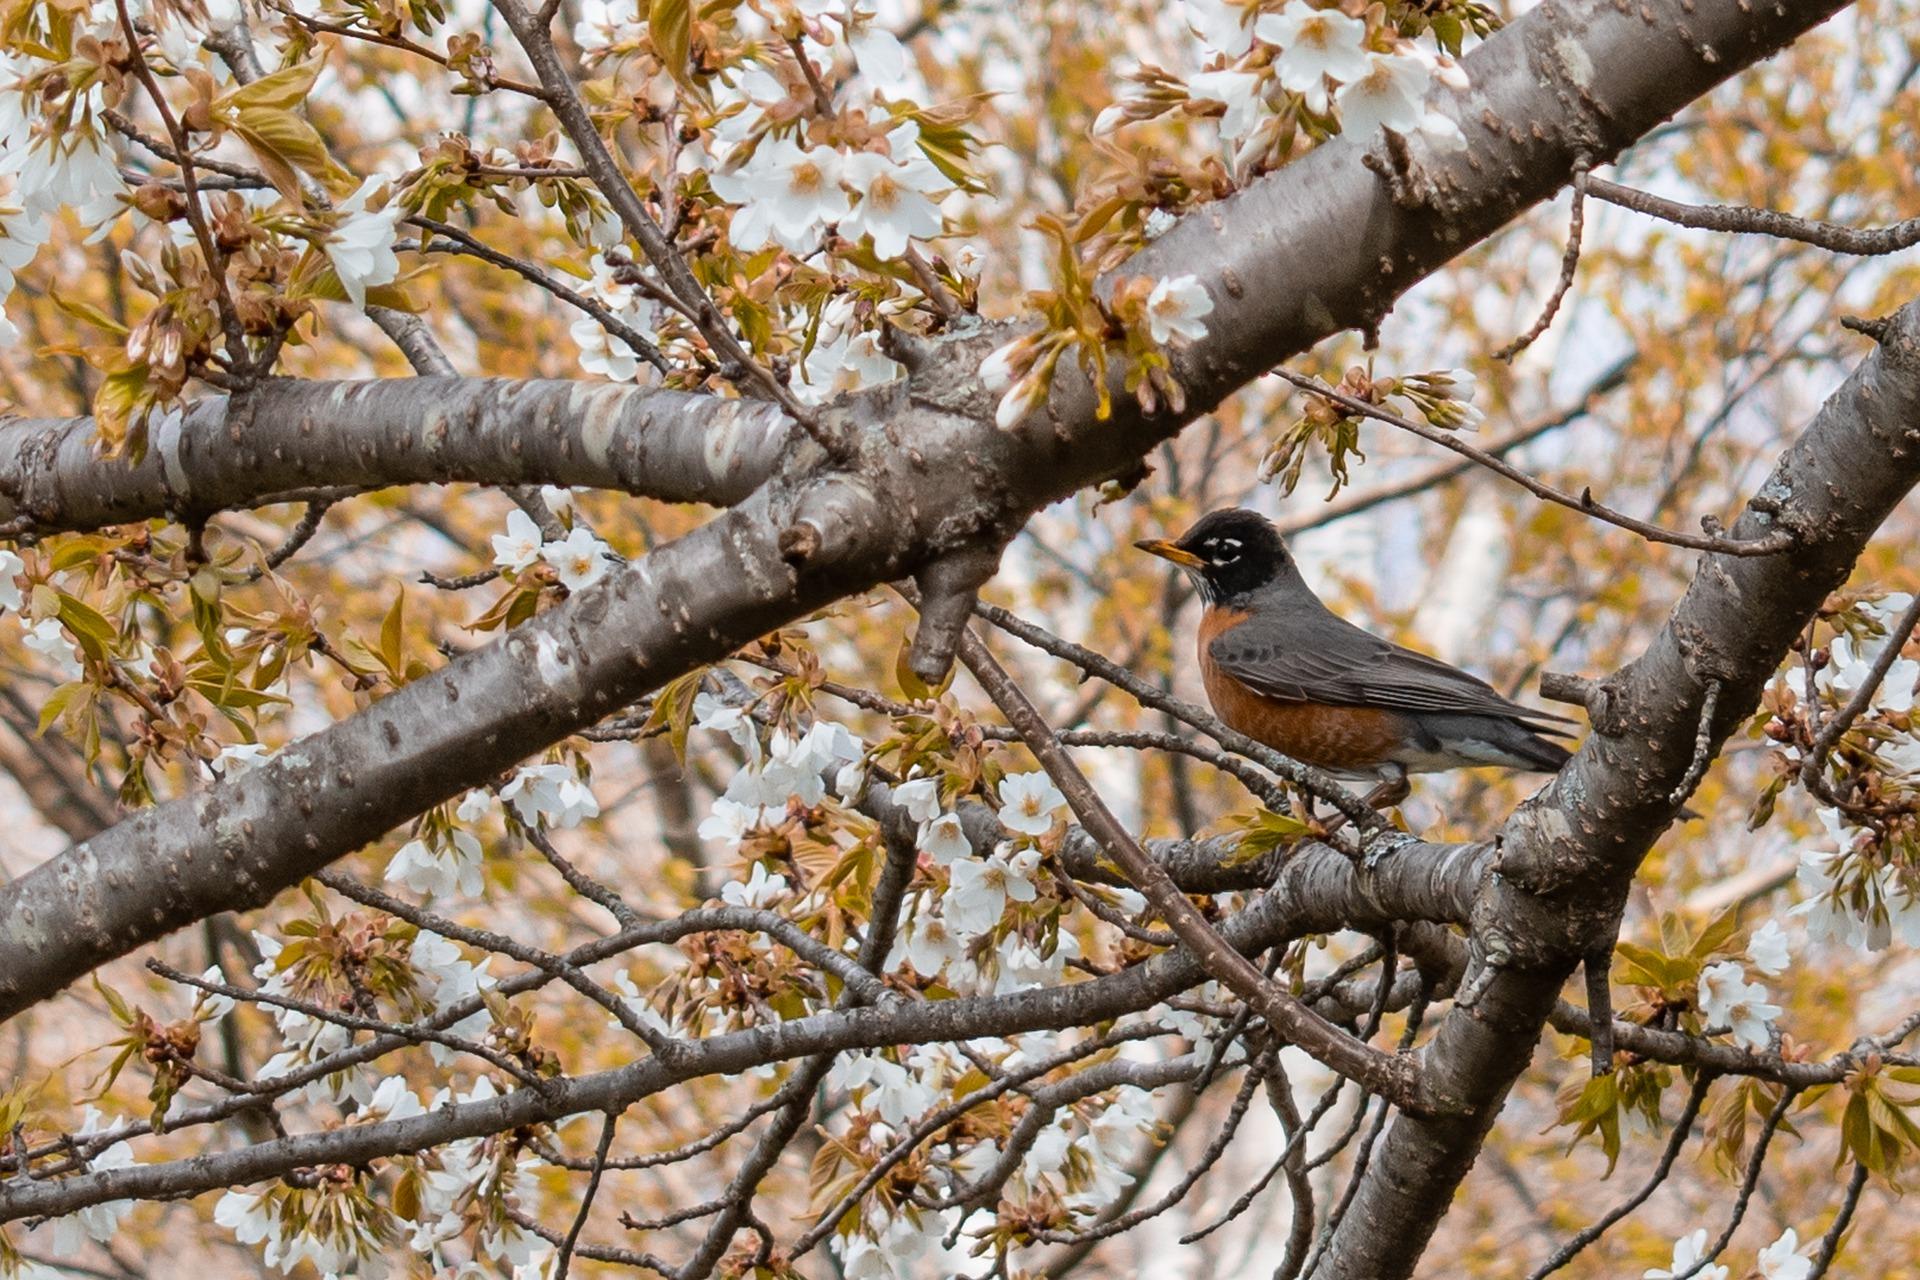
[{"x": 1171, "y": 551}]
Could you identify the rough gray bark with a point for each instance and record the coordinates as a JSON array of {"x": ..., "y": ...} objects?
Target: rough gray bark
[
  {"x": 290, "y": 436},
  {"x": 1568, "y": 855}
]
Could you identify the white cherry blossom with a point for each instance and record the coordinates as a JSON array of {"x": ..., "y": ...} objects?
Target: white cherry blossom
[
  {"x": 602, "y": 352},
  {"x": 579, "y": 560},
  {"x": 604, "y": 25},
  {"x": 519, "y": 546},
  {"x": 1315, "y": 44},
  {"x": 1767, "y": 949},
  {"x": 361, "y": 245},
  {"x": 1028, "y": 802},
  {"x": 978, "y": 891},
  {"x": 1688, "y": 1252},
  {"x": 49, "y": 639},
  {"x": 1221, "y": 25},
  {"x": 729, "y": 822},
  {"x": 997, "y": 371},
  {"x": 895, "y": 201},
  {"x": 1238, "y": 91},
  {"x": 1175, "y": 309},
  {"x": 759, "y": 890},
  {"x": 928, "y": 944},
  {"x": 474, "y": 806},
  {"x": 1727, "y": 997},
  {"x": 550, "y": 793},
  {"x": 238, "y": 758},
  {"x": 99, "y": 1222},
  {"x": 1388, "y": 94},
  {"x": 850, "y": 362},
  {"x": 944, "y": 840},
  {"x": 440, "y": 867},
  {"x": 920, "y": 797},
  {"x": 1781, "y": 1260},
  {"x": 787, "y": 193}
]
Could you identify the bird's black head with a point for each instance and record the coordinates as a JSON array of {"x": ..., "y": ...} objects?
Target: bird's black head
[{"x": 1229, "y": 553}]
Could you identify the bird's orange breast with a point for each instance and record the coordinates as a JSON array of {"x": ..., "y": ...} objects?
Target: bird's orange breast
[{"x": 1316, "y": 733}]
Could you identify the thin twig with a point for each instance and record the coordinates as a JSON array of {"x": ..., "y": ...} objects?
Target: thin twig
[
  {"x": 1702, "y": 745},
  {"x": 1748, "y": 1182},
  {"x": 935, "y": 1121},
  {"x": 461, "y": 583},
  {"x": 1257, "y": 1072},
  {"x": 473, "y": 247},
  {"x": 1569, "y": 263},
  {"x": 196, "y": 216},
  {"x": 1743, "y": 219},
  {"x": 403, "y": 44},
  {"x": 1681, "y": 1129},
  {"x": 1811, "y": 769},
  {"x": 580, "y": 882},
  {"x": 301, "y": 534},
  {"x": 563, "y": 97},
  {"x": 1294, "y": 1142},
  {"x": 1830, "y": 1242},
  {"x": 565, "y": 1257},
  {"x": 1772, "y": 544},
  {"x": 414, "y": 1032},
  {"x": 1354, "y": 1179}
]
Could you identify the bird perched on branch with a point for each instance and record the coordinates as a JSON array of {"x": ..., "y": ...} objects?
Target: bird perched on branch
[{"x": 1283, "y": 669}]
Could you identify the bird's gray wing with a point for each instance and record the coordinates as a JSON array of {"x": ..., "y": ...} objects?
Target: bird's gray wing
[{"x": 1333, "y": 661}]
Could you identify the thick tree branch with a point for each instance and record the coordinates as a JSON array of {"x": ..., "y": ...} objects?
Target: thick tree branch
[
  {"x": 1272, "y": 919},
  {"x": 289, "y": 437}
]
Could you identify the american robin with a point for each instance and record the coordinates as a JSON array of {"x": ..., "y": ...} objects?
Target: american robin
[{"x": 1282, "y": 668}]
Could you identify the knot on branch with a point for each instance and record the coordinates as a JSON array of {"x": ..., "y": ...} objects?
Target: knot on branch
[
  {"x": 948, "y": 589},
  {"x": 1874, "y": 327},
  {"x": 836, "y": 512},
  {"x": 1596, "y": 697}
]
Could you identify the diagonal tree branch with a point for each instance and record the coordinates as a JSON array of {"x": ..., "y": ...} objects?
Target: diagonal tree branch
[{"x": 1290, "y": 1018}]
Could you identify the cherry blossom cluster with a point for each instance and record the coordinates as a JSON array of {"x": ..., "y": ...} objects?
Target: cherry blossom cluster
[
  {"x": 804, "y": 142},
  {"x": 1781, "y": 1260},
  {"x": 1268, "y": 74}
]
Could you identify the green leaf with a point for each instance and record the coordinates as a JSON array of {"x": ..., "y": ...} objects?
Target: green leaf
[
  {"x": 117, "y": 1003},
  {"x": 283, "y": 89},
  {"x": 391, "y": 636},
  {"x": 283, "y": 142},
  {"x": 91, "y": 314},
  {"x": 1596, "y": 1109},
  {"x": 58, "y": 701},
  {"x": 89, "y": 628},
  {"x": 74, "y": 552},
  {"x": 1262, "y": 832},
  {"x": 1644, "y": 967},
  {"x": 670, "y": 23},
  {"x": 1718, "y": 933}
]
